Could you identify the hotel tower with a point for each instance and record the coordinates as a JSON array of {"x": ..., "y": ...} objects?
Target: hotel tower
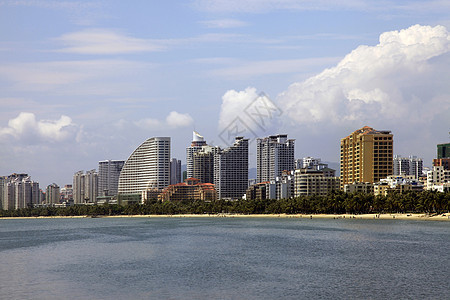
[{"x": 366, "y": 156}]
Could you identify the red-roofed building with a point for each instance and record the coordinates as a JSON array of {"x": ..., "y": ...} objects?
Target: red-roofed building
[{"x": 191, "y": 189}]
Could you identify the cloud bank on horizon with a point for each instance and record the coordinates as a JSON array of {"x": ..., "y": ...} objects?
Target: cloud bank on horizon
[{"x": 403, "y": 80}]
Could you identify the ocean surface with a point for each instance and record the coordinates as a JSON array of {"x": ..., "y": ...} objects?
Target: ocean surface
[{"x": 224, "y": 258}]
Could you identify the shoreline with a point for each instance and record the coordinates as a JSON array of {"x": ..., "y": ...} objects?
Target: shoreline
[{"x": 394, "y": 216}]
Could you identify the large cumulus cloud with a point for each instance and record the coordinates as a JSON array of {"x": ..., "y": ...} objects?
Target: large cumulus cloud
[{"x": 404, "y": 78}]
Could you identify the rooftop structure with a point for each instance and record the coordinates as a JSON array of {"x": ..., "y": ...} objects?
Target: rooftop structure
[{"x": 198, "y": 142}]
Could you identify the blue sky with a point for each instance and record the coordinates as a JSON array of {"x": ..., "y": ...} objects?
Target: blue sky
[{"x": 83, "y": 81}]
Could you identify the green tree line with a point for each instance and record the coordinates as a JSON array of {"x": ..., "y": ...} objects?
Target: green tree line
[{"x": 336, "y": 202}]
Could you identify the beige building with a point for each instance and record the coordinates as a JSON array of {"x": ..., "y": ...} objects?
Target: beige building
[
  {"x": 314, "y": 182},
  {"x": 366, "y": 156}
]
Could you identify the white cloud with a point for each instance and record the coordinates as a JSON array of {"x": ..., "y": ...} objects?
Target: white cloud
[
  {"x": 106, "y": 41},
  {"x": 148, "y": 124},
  {"x": 233, "y": 103},
  {"x": 175, "y": 119},
  {"x": 372, "y": 82},
  {"x": 224, "y": 23},
  {"x": 247, "y": 113},
  {"x": 27, "y": 129}
]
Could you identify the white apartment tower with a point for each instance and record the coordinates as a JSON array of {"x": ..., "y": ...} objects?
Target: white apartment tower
[
  {"x": 18, "y": 191},
  {"x": 147, "y": 167},
  {"x": 408, "y": 166},
  {"x": 52, "y": 194},
  {"x": 85, "y": 187},
  {"x": 274, "y": 154},
  {"x": 108, "y": 176},
  {"x": 231, "y": 170},
  {"x": 197, "y": 144}
]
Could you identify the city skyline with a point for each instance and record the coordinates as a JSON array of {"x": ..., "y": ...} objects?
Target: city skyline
[{"x": 85, "y": 81}]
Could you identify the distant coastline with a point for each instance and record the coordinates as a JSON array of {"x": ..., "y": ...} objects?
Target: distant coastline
[{"x": 388, "y": 216}]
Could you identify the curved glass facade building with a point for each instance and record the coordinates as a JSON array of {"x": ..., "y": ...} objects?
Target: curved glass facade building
[{"x": 147, "y": 167}]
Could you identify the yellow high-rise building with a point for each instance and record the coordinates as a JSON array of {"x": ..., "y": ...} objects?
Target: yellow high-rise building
[{"x": 366, "y": 156}]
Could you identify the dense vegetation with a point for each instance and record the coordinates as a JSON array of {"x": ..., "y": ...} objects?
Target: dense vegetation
[{"x": 335, "y": 203}]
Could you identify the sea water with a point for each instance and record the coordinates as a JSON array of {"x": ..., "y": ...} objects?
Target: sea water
[{"x": 223, "y": 258}]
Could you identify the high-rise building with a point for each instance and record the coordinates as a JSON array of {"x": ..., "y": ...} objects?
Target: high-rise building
[
  {"x": 366, "y": 156},
  {"x": 147, "y": 167},
  {"x": 52, "y": 194},
  {"x": 231, "y": 170},
  {"x": 407, "y": 166},
  {"x": 197, "y": 143},
  {"x": 203, "y": 164},
  {"x": 18, "y": 191},
  {"x": 175, "y": 171},
  {"x": 85, "y": 187},
  {"x": 274, "y": 154},
  {"x": 443, "y": 150},
  {"x": 78, "y": 187},
  {"x": 108, "y": 176}
]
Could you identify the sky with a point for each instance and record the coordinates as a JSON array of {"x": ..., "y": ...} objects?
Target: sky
[{"x": 85, "y": 81}]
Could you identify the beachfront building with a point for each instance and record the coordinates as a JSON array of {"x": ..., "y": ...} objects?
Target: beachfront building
[
  {"x": 437, "y": 177},
  {"x": 52, "y": 194},
  {"x": 198, "y": 142},
  {"x": 314, "y": 182},
  {"x": 260, "y": 191},
  {"x": 175, "y": 171},
  {"x": 147, "y": 167},
  {"x": 231, "y": 170},
  {"x": 108, "y": 176},
  {"x": 407, "y": 166},
  {"x": 366, "y": 156},
  {"x": 203, "y": 164},
  {"x": 274, "y": 154},
  {"x": 398, "y": 183},
  {"x": 191, "y": 189},
  {"x": 85, "y": 187},
  {"x": 359, "y": 187},
  {"x": 18, "y": 191}
]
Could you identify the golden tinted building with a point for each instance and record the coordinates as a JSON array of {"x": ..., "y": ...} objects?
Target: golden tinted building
[{"x": 366, "y": 156}]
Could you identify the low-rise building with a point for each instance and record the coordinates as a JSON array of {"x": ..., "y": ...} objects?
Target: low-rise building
[
  {"x": 359, "y": 187},
  {"x": 315, "y": 182},
  {"x": 191, "y": 189},
  {"x": 437, "y": 176},
  {"x": 397, "y": 183}
]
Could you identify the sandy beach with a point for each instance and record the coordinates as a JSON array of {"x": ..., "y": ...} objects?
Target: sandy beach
[{"x": 409, "y": 216}]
